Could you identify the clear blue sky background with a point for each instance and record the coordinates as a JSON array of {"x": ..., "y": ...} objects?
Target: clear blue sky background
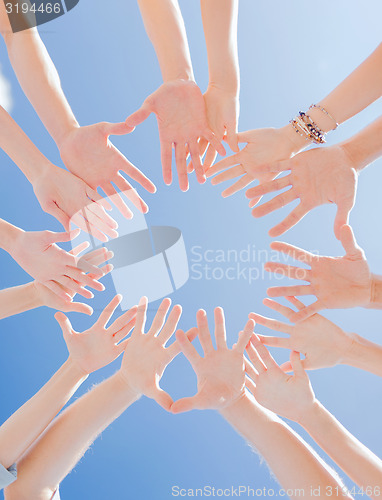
[{"x": 291, "y": 54}]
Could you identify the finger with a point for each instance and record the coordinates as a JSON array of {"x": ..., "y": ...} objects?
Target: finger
[
  {"x": 130, "y": 193},
  {"x": 160, "y": 317},
  {"x": 220, "y": 330},
  {"x": 78, "y": 307},
  {"x": 88, "y": 267},
  {"x": 250, "y": 370},
  {"x": 204, "y": 332},
  {"x": 123, "y": 320},
  {"x": 230, "y": 161},
  {"x": 124, "y": 165},
  {"x": 269, "y": 187},
  {"x": 171, "y": 324},
  {"x": 166, "y": 159},
  {"x": 265, "y": 355},
  {"x": 245, "y": 336},
  {"x": 237, "y": 186},
  {"x": 342, "y": 216},
  {"x": 124, "y": 331},
  {"x": 64, "y": 323},
  {"x": 232, "y": 137},
  {"x": 121, "y": 128},
  {"x": 174, "y": 349},
  {"x": 97, "y": 198},
  {"x": 290, "y": 221},
  {"x": 187, "y": 404},
  {"x": 79, "y": 248},
  {"x": 196, "y": 161},
  {"x": 286, "y": 291},
  {"x": 60, "y": 215},
  {"x": 181, "y": 167},
  {"x": 98, "y": 257},
  {"x": 105, "y": 270},
  {"x": 349, "y": 242},
  {"x": 297, "y": 303},
  {"x": 272, "y": 324},
  {"x": 296, "y": 273},
  {"x": 210, "y": 158},
  {"x": 308, "y": 311},
  {"x": 294, "y": 252},
  {"x": 109, "y": 310},
  {"x": 80, "y": 220},
  {"x": 97, "y": 216},
  {"x": 255, "y": 359},
  {"x": 250, "y": 385},
  {"x": 75, "y": 287},
  {"x": 187, "y": 348},
  {"x": 58, "y": 290},
  {"x": 162, "y": 398},
  {"x": 82, "y": 278},
  {"x": 276, "y": 306},
  {"x": 274, "y": 341},
  {"x": 228, "y": 175},
  {"x": 141, "y": 316},
  {"x": 62, "y": 237},
  {"x": 116, "y": 198},
  {"x": 277, "y": 202},
  {"x": 297, "y": 366},
  {"x": 139, "y": 116},
  {"x": 215, "y": 143}
]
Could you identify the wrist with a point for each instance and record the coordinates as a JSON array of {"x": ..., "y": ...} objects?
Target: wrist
[
  {"x": 10, "y": 237},
  {"x": 375, "y": 292},
  {"x": 353, "y": 155},
  {"x": 183, "y": 74},
  {"x": 75, "y": 369},
  {"x": 309, "y": 414},
  {"x": 69, "y": 129},
  {"x": 293, "y": 140},
  {"x": 33, "y": 294},
  {"x": 123, "y": 381}
]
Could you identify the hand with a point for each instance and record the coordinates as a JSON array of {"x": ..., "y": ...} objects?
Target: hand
[
  {"x": 69, "y": 199},
  {"x": 323, "y": 343},
  {"x": 182, "y": 120},
  {"x": 222, "y": 108},
  {"x": 337, "y": 282},
  {"x": 317, "y": 177},
  {"x": 146, "y": 355},
  {"x": 50, "y": 299},
  {"x": 290, "y": 396},
  {"x": 100, "y": 345},
  {"x": 253, "y": 162},
  {"x": 88, "y": 153},
  {"x": 220, "y": 373},
  {"x": 38, "y": 254}
]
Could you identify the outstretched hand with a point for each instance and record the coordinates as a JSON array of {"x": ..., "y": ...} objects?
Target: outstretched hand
[
  {"x": 289, "y": 396},
  {"x": 182, "y": 121},
  {"x": 101, "y": 344},
  {"x": 88, "y": 153},
  {"x": 316, "y": 177},
  {"x": 146, "y": 355},
  {"x": 220, "y": 372},
  {"x": 337, "y": 282}
]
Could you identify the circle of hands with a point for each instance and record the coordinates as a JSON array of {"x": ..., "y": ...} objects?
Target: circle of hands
[{"x": 194, "y": 126}]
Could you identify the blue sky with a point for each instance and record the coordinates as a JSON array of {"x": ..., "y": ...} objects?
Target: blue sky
[{"x": 107, "y": 66}]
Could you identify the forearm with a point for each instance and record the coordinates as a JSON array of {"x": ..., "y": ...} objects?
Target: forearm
[
  {"x": 40, "y": 82},
  {"x": 29, "y": 421},
  {"x": 8, "y": 236},
  {"x": 366, "y": 146},
  {"x": 362, "y": 87},
  {"x": 357, "y": 461},
  {"x": 165, "y": 27},
  {"x": 268, "y": 434},
  {"x": 20, "y": 148},
  {"x": 18, "y": 299},
  {"x": 220, "y": 29},
  {"x": 57, "y": 451},
  {"x": 363, "y": 354}
]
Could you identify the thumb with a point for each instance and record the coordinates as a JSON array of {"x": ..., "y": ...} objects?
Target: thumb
[
  {"x": 297, "y": 364},
  {"x": 186, "y": 404},
  {"x": 232, "y": 138},
  {"x": 64, "y": 323},
  {"x": 342, "y": 218},
  {"x": 348, "y": 240},
  {"x": 61, "y": 216},
  {"x": 139, "y": 116},
  {"x": 244, "y": 136},
  {"x": 162, "y": 398},
  {"x": 63, "y": 237},
  {"x": 121, "y": 128},
  {"x": 79, "y": 307}
]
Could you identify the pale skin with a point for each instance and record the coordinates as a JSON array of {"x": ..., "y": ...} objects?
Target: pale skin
[
  {"x": 88, "y": 351},
  {"x": 60, "y": 193},
  {"x": 221, "y": 386},
  {"x": 23, "y": 298},
  {"x": 39, "y": 255},
  {"x": 292, "y": 397},
  {"x": 178, "y": 103},
  {"x": 323, "y": 343},
  {"x": 64, "y": 442},
  {"x": 87, "y": 151},
  {"x": 336, "y": 282}
]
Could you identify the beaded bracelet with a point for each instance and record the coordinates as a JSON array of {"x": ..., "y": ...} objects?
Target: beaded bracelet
[
  {"x": 306, "y": 127},
  {"x": 323, "y": 110}
]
